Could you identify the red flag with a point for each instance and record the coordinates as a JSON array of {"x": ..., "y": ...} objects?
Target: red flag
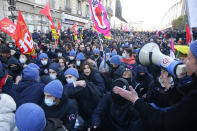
[
  {"x": 75, "y": 28},
  {"x": 23, "y": 37},
  {"x": 7, "y": 26},
  {"x": 47, "y": 12},
  {"x": 188, "y": 34}
]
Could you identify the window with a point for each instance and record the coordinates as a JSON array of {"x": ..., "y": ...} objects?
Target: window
[
  {"x": 52, "y": 3},
  {"x": 87, "y": 10},
  {"x": 79, "y": 8},
  {"x": 67, "y": 3}
]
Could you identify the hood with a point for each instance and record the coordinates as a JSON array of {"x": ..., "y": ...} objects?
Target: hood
[
  {"x": 141, "y": 69},
  {"x": 7, "y": 104},
  {"x": 13, "y": 60}
]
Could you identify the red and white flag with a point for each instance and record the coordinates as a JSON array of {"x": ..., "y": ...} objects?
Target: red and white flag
[
  {"x": 23, "y": 37},
  {"x": 7, "y": 26}
]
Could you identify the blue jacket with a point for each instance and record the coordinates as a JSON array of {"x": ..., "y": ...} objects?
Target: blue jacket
[{"x": 28, "y": 90}]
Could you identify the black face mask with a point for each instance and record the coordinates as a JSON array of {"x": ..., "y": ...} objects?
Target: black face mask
[
  {"x": 128, "y": 80},
  {"x": 96, "y": 56},
  {"x": 15, "y": 69}
]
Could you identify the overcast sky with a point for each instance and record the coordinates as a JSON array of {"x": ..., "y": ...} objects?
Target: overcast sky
[{"x": 149, "y": 11}]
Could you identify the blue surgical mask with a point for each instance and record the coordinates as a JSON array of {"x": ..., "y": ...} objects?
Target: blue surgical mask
[
  {"x": 49, "y": 102},
  {"x": 78, "y": 63},
  {"x": 70, "y": 80}
]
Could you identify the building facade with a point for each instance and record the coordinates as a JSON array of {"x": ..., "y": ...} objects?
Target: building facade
[
  {"x": 65, "y": 11},
  {"x": 176, "y": 10}
]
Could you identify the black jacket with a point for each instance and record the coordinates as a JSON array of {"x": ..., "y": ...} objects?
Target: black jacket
[
  {"x": 96, "y": 79},
  {"x": 87, "y": 98},
  {"x": 66, "y": 111},
  {"x": 182, "y": 116},
  {"x": 27, "y": 90},
  {"x": 109, "y": 116}
]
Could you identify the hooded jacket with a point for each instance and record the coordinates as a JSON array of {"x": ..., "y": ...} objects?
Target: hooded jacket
[
  {"x": 110, "y": 116},
  {"x": 17, "y": 72},
  {"x": 27, "y": 90},
  {"x": 7, "y": 116}
]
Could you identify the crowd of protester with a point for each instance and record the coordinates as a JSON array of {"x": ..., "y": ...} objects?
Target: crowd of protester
[{"x": 76, "y": 85}]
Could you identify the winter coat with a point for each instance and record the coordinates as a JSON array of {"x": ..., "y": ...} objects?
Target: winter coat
[
  {"x": 66, "y": 111},
  {"x": 7, "y": 116},
  {"x": 96, "y": 79},
  {"x": 14, "y": 74},
  {"x": 87, "y": 98},
  {"x": 143, "y": 81},
  {"x": 27, "y": 90},
  {"x": 116, "y": 73},
  {"x": 182, "y": 116},
  {"x": 109, "y": 116}
]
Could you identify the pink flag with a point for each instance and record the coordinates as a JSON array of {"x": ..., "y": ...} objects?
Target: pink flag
[
  {"x": 99, "y": 15},
  {"x": 172, "y": 45},
  {"x": 157, "y": 34}
]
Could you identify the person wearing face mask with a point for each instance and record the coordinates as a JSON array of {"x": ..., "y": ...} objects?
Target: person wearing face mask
[
  {"x": 57, "y": 105},
  {"x": 143, "y": 80},
  {"x": 84, "y": 92},
  {"x": 14, "y": 68},
  {"x": 88, "y": 51},
  {"x": 128, "y": 59},
  {"x": 182, "y": 115},
  {"x": 23, "y": 59},
  {"x": 72, "y": 56},
  {"x": 43, "y": 63},
  {"x": 116, "y": 68},
  {"x": 80, "y": 59},
  {"x": 113, "y": 113},
  {"x": 96, "y": 57},
  {"x": 55, "y": 72},
  {"x": 128, "y": 75},
  {"x": 28, "y": 89}
]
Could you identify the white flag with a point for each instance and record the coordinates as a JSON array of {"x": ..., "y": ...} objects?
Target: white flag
[{"x": 192, "y": 12}]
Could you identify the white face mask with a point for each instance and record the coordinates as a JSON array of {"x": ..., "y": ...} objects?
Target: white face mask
[
  {"x": 124, "y": 55},
  {"x": 22, "y": 60},
  {"x": 78, "y": 63},
  {"x": 52, "y": 76},
  {"x": 70, "y": 80},
  {"x": 49, "y": 102},
  {"x": 44, "y": 62},
  {"x": 72, "y": 57},
  {"x": 59, "y": 54}
]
